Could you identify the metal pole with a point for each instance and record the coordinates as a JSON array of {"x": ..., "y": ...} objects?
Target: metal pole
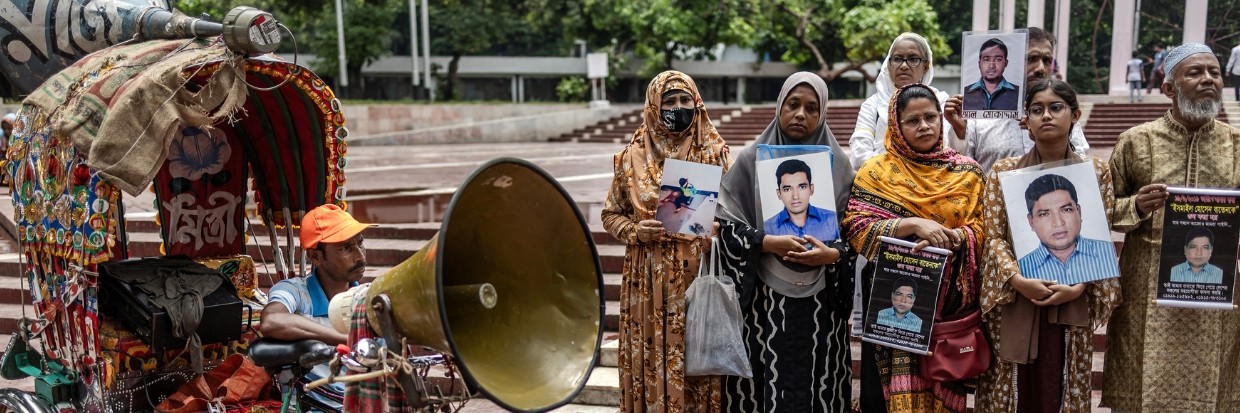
[
  {"x": 1063, "y": 17},
  {"x": 413, "y": 45},
  {"x": 1007, "y": 15},
  {"x": 981, "y": 15},
  {"x": 344, "y": 69},
  {"x": 426, "y": 51}
]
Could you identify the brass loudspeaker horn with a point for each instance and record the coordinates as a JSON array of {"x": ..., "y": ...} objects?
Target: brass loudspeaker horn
[{"x": 511, "y": 286}]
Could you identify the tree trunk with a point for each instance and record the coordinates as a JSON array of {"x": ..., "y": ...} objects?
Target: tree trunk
[
  {"x": 449, "y": 92},
  {"x": 668, "y": 54},
  {"x": 1093, "y": 49}
]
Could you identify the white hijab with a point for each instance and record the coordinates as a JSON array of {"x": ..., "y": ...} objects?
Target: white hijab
[{"x": 886, "y": 86}]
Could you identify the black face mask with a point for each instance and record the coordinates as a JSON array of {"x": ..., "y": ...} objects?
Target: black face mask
[{"x": 677, "y": 120}]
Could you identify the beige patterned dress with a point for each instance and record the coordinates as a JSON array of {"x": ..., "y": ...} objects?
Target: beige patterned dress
[
  {"x": 996, "y": 390},
  {"x": 1165, "y": 359},
  {"x": 657, "y": 273}
]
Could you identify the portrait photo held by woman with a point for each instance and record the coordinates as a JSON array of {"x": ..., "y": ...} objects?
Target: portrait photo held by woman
[
  {"x": 659, "y": 265},
  {"x": 1041, "y": 331},
  {"x": 921, "y": 191},
  {"x": 795, "y": 291}
]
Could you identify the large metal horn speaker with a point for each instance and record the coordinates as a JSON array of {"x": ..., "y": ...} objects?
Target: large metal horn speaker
[{"x": 510, "y": 286}]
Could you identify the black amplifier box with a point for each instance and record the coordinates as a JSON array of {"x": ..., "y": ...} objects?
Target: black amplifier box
[{"x": 221, "y": 313}]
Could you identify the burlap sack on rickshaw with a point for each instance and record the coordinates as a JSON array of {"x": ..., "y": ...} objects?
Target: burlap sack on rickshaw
[{"x": 122, "y": 105}]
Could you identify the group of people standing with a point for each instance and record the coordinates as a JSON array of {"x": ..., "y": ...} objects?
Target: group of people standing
[{"x": 919, "y": 171}]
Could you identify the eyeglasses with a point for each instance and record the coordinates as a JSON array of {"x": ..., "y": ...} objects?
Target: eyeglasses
[
  {"x": 897, "y": 61},
  {"x": 915, "y": 122},
  {"x": 1056, "y": 109}
]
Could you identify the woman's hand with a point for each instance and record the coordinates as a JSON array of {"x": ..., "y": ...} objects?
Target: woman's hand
[
  {"x": 938, "y": 235},
  {"x": 1062, "y": 294},
  {"x": 781, "y": 245},
  {"x": 821, "y": 254},
  {"x": 649, "y": 230},
  {"x": 1151, "y": 197},
  {"x": 1034, "y": 289}
]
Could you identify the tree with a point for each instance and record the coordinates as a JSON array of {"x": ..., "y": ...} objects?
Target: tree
[
  {"x": 368, "y": 35},
  {"x": 368, "y": 23},
  {"x": 658, "y": 31},
  {"x": 465, "y": 27},
  {"x": 816, "y": 33}
]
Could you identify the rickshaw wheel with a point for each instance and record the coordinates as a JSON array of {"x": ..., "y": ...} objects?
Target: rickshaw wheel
[{"x": 18, "y": 401}]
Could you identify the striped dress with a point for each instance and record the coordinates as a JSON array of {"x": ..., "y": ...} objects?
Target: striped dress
[{"x": 798, "y": 347}]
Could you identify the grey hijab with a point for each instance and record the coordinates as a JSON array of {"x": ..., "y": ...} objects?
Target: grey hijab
[{"x": 739, "y": 193}]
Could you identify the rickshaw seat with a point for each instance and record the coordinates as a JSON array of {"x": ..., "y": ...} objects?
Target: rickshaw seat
[{"x": 269, "y": 352}]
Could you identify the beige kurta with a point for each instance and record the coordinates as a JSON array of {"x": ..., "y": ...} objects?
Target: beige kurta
[
  {"x": 652, "y": 317},
  {"x": 996, "y": 390},
  {"x": 1164, "y": 359}
]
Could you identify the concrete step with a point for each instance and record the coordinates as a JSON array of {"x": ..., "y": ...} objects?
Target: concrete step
[
  {"x": 609, "y": 353},
  {"x": 602, "y": 388},
  {"x": 423, "y": 231}
]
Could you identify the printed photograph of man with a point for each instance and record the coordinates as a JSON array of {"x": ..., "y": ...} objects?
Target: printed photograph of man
[
  {"x": 798, "y": 217},
  {"x": 1064, "y": 256},
  {"x": 900, "y": 315},
  {"x": 1198, "y": 248},
  {"x": 992, "y": 91}
]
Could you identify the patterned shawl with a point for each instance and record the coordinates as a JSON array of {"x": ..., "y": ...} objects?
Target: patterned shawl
[
  {"x": 642, "y": 160},
  {"x": 941, "y": 185}
]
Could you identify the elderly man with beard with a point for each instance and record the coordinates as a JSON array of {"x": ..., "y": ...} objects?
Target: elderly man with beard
[
  {"x": 1163, "y": 359},
  {"x": 989, "y": 140}
]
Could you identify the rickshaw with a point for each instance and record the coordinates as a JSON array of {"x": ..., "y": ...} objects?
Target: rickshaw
[
  {"x": 118, "y": 123},
  {"x": 224, "y": 133}
]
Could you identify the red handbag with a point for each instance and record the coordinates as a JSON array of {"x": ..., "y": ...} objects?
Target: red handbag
[{"x": 958, "y": 349}]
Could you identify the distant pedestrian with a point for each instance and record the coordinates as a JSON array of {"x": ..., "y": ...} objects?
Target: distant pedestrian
[
  {"x": 1157, "y": 75},
  {"x": 1135, "y": 78},
  {"x": 1233, "y": 69}
]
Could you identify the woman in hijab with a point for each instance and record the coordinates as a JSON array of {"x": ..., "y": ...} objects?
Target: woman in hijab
[
  {"x": 909, "y": 60},
  {"x": 658, "y": 265},
  {"x": 925, "y": 192},
  {"x": 797, "y": 336},
  {"x": 1041, "y": 332}
]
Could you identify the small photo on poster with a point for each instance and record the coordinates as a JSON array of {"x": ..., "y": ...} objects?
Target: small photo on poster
[
  {"x": 993, "y": 74},
  {"x": 797, "y": 195},
  {"x": 1058, "y": 223},
  {"x": 688, "y": 195},
  {"x": 1197, "y": 264},
  {"x": 900, "y": 313}
]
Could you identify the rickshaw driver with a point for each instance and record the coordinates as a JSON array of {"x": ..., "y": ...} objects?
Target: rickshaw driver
[{"x": 297, "y": 310}]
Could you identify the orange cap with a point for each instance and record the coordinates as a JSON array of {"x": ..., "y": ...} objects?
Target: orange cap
[{"x": 328, "y": 223}]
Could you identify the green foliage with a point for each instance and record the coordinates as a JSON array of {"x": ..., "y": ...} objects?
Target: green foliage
[
  {"x": 367, "y": 32},
  {"x": 655, "y": 30},
  {"x": 572, "y": 89},
  {"x": 368, "y": 27},
  {"x": 869, "y": 28},
  {"x": 815, "y": 33}
]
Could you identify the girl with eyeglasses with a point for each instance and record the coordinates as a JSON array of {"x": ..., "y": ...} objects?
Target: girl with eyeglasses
[
  {"x": 909, "y": 61},
  {"x": 1041, "y": 332}
]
